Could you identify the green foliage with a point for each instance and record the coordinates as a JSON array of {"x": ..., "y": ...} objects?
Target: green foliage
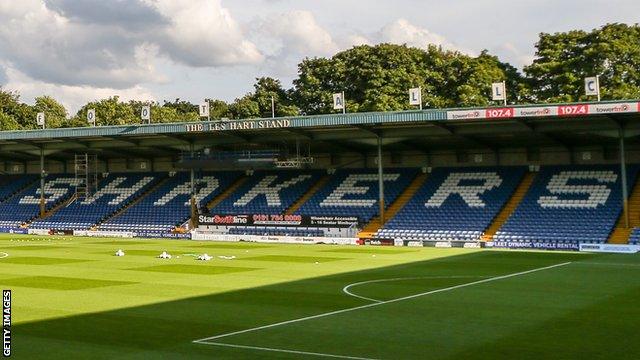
[
  {"x": 110, "y": 111},
  {"x": 54, "y": 112},
  {"x": 563, "y": 60},
  {"x": 7, "y": 122},
  {"x": 377, "y": 78},
  {"x": 218, "y": 109}
]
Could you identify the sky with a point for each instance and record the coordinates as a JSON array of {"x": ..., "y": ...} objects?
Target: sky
[{"x": 83, "y": 50}]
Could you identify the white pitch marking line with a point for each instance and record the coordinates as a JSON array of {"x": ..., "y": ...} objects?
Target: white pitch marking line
[
  {"x": 606, "y": 264},
  {"x": 346, "y": 288},
  {"x": 285, "y": 351},
  {"x": 203, "y": 340},
  {"x": 3, "y": 255}
]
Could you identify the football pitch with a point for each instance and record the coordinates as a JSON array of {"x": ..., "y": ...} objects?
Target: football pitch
[{"x": 71, "y": 298}]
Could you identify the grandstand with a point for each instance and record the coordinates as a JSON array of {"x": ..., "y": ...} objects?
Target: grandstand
[{"x": 550, "y": 176}]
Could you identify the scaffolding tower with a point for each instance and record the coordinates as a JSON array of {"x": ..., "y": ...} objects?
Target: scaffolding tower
[{"x": 86, "y": 166}]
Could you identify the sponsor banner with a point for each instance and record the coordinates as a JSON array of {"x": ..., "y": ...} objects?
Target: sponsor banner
[
  {"x": 333, "y": 221},
  {"x": 277, "y": 220},
  {"x": 379, "y": 242},
  {"x": 472, "y": 245},
  {"x": 10, "y": 230},
  {"x": 610, "y": 248},
  {"x": 613, "y": 108},
  {"x": 412, "y": 243},
  {"x": 131, "y": 234},
  {"x": 39, "y": 231},
  {"x": 100, "y": 233},
  {"x": 542, "y": 111},
  {"x": 197, "y": 235},
  {"x": 499, "y": 113},
  {"x": 573, "y": 110},
  {"x": 533, "y": 245},
  {"x": 466, "y": 114},
  {"x": 443, "y": 244},
  {"x": 161, "y": 235},
  {"x": 538, "y": 111}
]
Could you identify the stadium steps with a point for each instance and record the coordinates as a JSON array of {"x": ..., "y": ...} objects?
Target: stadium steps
[
  {"x": 66, "y": 202},
  {"x": 225, "y": 194},
  {"x": 312, "y": 191},
  {"x": 620, "y": 234},
  {"x": 370, "y": 229},
  {"x": 509, "y": 207},
  {"x": 150, "y": 190}
]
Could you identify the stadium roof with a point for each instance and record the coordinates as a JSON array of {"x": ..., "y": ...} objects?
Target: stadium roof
[{"x": 565, "y": 125}]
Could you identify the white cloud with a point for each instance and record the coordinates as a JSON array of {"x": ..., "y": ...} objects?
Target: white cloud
[
  {"x": 72, "y": 97},
  {"x": 203, "y": 33},
  {"x": 510, "y": 53},
  {"x": 295, "y": 32},
  {"x": 103, "y": 44},
  {"x": 49, "y": 47},
  {"x": 402, "y": 31}
]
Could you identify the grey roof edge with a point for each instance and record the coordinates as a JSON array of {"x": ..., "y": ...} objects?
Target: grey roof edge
[{"x": 325, "y": 120}]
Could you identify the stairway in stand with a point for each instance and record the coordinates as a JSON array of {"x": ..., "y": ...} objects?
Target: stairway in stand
[
  {"x": 370, "y": 229},
  {"x": 304, "y": 198},
  {"x": 509, "y": 207},
  {"x": 620, "y": 233},
  {"x": 225, "y": 194},
  {"x": 150, "y": 190}
]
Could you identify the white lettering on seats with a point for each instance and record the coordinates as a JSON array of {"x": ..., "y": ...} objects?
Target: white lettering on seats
[
  {"x": 54, "y": 190},
  {"x": 349, "y": 187},
  {"x": 122, "y": 193},
  {"x": 598, "y": 194},
  {"x": 469, "y": 193},
  {"x": 210, "y": 185},
  {"x": 271, "y": 192}
]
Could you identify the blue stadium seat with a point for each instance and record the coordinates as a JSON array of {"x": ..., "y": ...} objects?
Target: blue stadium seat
[
  {"x": 25, "y": 206},
  {"x": 354, "y": 192},
  {"x": 268, "y": 192},
  {"x": 113, "y": 193},
  {"x": 568, "y": 205},
  {"x": 634, "y": 239},
  {"x": 454, "y": 204},
  {"x": 169, "y": 205}
]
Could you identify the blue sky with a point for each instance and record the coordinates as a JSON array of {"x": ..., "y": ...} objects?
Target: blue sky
[{"x": 82, "y": 50}]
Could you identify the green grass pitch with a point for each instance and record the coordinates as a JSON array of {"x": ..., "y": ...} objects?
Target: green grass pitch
[{"x": 73, "y": 299}]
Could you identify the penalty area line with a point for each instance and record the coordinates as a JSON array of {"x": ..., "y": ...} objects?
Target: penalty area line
[
  {"x": 495, "y": 278},
  {"x": 334, "y": 356}
]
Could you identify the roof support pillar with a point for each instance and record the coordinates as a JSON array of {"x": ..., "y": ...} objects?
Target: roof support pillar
[
  {"x": 42, "y": 176},
  {"x": 623, "y": 172},
  {"x": 194, "y": 205},
  {"x": 380, "y": 181}
]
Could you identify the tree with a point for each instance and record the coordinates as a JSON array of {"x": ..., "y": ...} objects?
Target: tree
[
  {"x": 110, "y": 111},
  {"x": 7, "y": 122},
  {"x": 377, "y": 78},
  {"x": 563, "y": 60},
  {"x": 245, "y": 108},
  {"x": 54, "y": 112},
  {"x": 20, "y": 112},
  {"x": 184, "y": 110},
  {"x": 267, "y": 88},
  {"x": 218, "y": 109}
]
